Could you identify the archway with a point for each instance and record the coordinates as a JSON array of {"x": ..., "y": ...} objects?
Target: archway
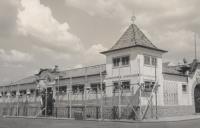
[{"x": 197, "y": 98}]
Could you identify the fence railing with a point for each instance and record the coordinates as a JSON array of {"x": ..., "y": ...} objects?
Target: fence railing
[{"x": 77, "y": 112}]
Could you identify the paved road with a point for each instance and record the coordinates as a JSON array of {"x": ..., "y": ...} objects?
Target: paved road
[{"x": 44, "y": 123}]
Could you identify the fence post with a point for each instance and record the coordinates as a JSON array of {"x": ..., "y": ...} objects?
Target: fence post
[
  {"x": 68, "y": 111},
  {"x": 97, "y": 112},
  {"x": 56, "y": 111}
]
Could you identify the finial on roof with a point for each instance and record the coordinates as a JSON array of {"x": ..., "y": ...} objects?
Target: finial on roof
[{"x": 133, "y": 19}]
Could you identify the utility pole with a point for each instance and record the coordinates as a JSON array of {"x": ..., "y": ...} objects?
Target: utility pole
[
  {"x": 195, "y": 47},
  {"x": 70, "y": 100},
  {"x": 156, "y": 89},
  {"x": 17, "y": 94},
  {"x": 84, "y": 92},
  {"x": 58, "y": 90},
  {"x": 101, "y": 92},
  {"x": 46, "y": 102},
  {"x": 119, "y": 84},
  {"x": 140, "y": 84}
]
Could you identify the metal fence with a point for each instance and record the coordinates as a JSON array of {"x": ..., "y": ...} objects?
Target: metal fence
[{"x": 77, "y": 112}]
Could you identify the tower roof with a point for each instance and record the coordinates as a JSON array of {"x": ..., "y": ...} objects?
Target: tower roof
[{"x": 133, "y": 37}]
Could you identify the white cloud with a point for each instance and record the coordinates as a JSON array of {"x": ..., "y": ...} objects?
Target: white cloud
[
  {"x": 179, "y": 44},
  {"x": 52, "y": 53},
  {"x": 149, "y": 13},
  {"x": 106, "y": 8},
  {"x": 15, "y": 56},
  {"x": 36, "y": 20},
  {"x": 93, "y": 55},
  {"x": 170, "y": 25}
]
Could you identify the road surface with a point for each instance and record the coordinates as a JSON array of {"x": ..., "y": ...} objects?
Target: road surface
[{"x": 49, "y": 123}]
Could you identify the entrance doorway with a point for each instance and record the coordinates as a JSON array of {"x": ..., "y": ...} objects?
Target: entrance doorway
[
  {"x": 197, "y": 98},
  {"x": 47, "y": 101}
]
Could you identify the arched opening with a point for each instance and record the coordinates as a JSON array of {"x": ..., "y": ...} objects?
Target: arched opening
[{"x": 197, "y": 98}]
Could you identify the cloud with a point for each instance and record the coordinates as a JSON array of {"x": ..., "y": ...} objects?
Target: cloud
[
  {"x": 36, "y": 19},
  {"x": 15, "y": 56},
  {"x": 164, "y": 22},
  {"x": 93, "y": 55},
  {"x": 7, "y": 20},
  {"x": 56, "y": 55},
  {"x": 180, "y": 44},
  {"x": 105, "y": 8}
]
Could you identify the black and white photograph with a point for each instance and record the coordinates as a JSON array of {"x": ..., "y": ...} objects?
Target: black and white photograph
[{"x": 99, "y": 64}]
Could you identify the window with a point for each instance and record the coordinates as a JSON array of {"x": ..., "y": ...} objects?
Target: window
[
  {"x": 184, "y": 88},
  {"x": 125, "y": 60},
  {"x": 32, "y": 91},
  {"x": 126, "y": 85},
  {"x": 37, "y": 92},
  {"x": 153, "y": 61},
  {"x": 116, "y": 62},
  {"x": 78, "y": 88},
  {"x": 148, "y": 86},
  {"x": 147, "y": 60},
  {"x": 61, "y": 89},
  {"x": 22, "y": 92},
  {"x": 13, "y": 93},
  {"x": 95, "y": 87},
  {"x": 115, "y": 86},
  {"x": 121, "y": 61}
]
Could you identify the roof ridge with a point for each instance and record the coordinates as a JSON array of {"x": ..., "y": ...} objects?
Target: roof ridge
[{"x": 144, "y": 36}]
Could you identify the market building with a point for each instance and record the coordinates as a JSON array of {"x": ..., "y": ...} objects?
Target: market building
[{"x": 133, "y": 83}]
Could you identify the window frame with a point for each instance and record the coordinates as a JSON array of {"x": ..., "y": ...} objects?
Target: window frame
[
  {"x": 117, "y": 86},
  {"x": 79, "y": 88},
  {"x": 150, "y": 87},
  {"x": 98, "y": 87},
  {"x": 116, "y": 61},
  {"x": 152, "y": 60},
  {"x": 123, "y": 86},
  {"x": 184, "y": 88},
  {"x": 61, "y": 89},
  {"x": 125, "y": 62},
  {"x": 120, "y": 62}
]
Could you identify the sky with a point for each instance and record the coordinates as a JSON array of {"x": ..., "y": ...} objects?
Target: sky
[{"x": 38, "y": 34}]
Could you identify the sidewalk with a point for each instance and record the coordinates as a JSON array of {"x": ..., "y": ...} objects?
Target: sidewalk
[
  {"x": 162, "y": 119},
  {"x": 174, "y": 118}
]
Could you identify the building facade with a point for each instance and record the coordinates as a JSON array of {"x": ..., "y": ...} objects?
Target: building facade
[{"x": 134, "y": 75}]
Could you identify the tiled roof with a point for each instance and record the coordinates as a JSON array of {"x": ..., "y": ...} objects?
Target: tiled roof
[
  {"x": 171, "y": 69},
  {"x": 133, "y": 37},
  {"x": 91, "y": 70},
  {"x": 78, "y": 72},
  {"x": 29, "y": 79}
]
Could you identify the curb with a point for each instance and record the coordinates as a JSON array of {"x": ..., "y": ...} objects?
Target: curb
[{"x": 122, "y": 121}]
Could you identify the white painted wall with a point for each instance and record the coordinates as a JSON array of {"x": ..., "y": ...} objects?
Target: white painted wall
[{"x": 136, "y": 72}]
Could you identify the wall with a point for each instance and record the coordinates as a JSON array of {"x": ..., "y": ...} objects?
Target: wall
[
  {"x": 170, "y": 111},
  {"x": 129, "y": 72},
  {"x": 173, "y": 85}
]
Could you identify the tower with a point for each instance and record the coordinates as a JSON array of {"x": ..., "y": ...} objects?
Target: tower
[{"x": 131, "y": 60}]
